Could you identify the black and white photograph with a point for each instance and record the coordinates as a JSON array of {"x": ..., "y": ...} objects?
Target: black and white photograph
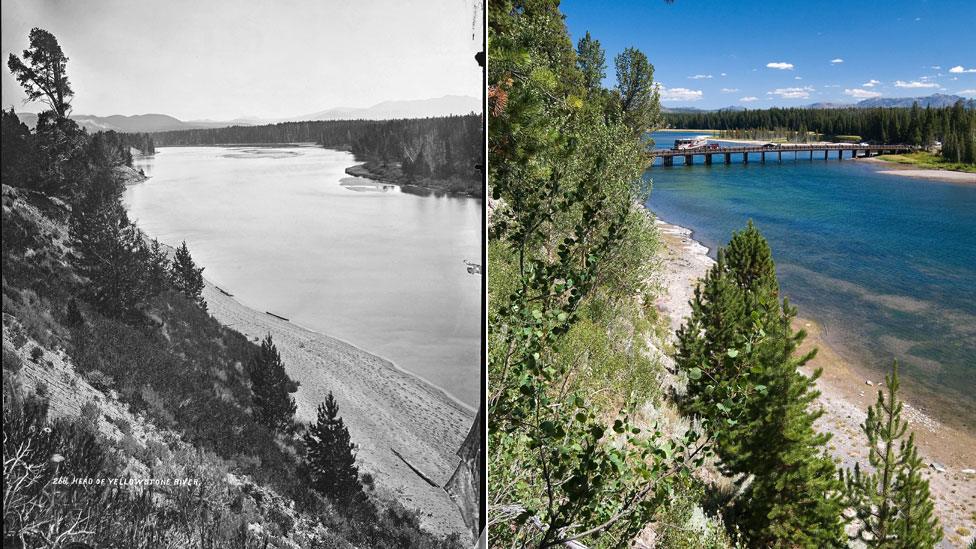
[{"x": 243, "y": 273}]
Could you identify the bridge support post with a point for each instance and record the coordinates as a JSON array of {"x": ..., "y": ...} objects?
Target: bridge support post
[
  {"x": 745, "y": 158},
  {"x": 728, "y": 158},
  {"x": 762, "y": 157},
  {"x": 826, "y": 152},
  {"x": 708, "y": 159},
  {"x": 780, "y": 155},
  {"x": 689, "y": 159},
  {"x": 811, "y": 155},
  {"x": 668, "y": 160},
  {"x": 840, "y": 154}
]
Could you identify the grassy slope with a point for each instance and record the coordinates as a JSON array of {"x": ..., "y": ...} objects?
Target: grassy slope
[{"x": 928, "y": 161}]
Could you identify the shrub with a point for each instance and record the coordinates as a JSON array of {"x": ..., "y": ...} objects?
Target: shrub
[
  {"x": 100, "y": 381},
  {"x": 11, "y": 360},
  {"x": 91, "y": 412},
  {"x": 36, "y": 353}
]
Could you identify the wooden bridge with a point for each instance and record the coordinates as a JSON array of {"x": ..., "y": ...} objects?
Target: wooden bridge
[{"x": 667, "y": 155}]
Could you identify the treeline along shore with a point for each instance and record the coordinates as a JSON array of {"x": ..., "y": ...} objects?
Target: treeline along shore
[{"x": 441, "y": 154}]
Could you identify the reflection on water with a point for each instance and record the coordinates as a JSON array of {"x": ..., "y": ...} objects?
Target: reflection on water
[
  {"x": 880, "y": 260},
  {"x": 286, "y": 230}
]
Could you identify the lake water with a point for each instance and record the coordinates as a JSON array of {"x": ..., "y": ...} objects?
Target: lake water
[
  {"x": 886, "y": 263},
  {"x": 286, "y": 230}
]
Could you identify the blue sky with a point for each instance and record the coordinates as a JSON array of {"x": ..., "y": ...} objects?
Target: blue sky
[{"x": 711, "y": 54}]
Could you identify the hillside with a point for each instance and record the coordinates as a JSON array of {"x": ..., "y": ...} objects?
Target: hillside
[{"x": 114, "y": 368}]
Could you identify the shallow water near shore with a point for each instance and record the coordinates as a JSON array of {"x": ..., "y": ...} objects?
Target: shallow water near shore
[
  {"x": 287, "y": 231},
  {"x": 884, "y": 263}
]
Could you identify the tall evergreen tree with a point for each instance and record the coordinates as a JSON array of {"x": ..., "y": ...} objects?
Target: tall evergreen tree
[
  {"x": 44, "y": 75},
  {"x": 186, "y": 276},
  {"x": 591, "y": 61},
  {"x": 108, "y": 253},
  {"x": 331, "y": 455},
  {"x": 272, "y": 388},
  {"x": 157, "y": 268},
  {"x": 639, "y": 99},
  {"x": 892, "y": 503},
  {"x": 738, "y": 349}
]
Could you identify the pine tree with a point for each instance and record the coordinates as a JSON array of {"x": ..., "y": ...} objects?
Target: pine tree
[
  {"x": 157, "y": 268},
  {"x": 331, "y": 455},
  {"x": 892, "y": 503},
  {"x": 738, "y": 349},
  {"x": 186, "y": 277},
  {"x": 72, "y": 315},
  {"x": 272, "y": 389},
  {"x": 591, "y": 61}
]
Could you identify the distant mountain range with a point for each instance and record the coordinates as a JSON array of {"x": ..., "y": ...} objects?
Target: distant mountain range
[
  {"x": 935, "y": 101},
  {"x": 418, "y": 108}
]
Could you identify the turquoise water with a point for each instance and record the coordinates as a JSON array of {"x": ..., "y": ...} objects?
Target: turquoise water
[
  {"x": 286, "y": 230},
  {"x": 886, "y": 263}
]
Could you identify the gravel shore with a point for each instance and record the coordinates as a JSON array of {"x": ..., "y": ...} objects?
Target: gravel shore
[{"x": 387, "y": 410}]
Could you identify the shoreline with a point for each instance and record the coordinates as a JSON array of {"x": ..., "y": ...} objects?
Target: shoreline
[
  {"x": 387, "y": 410},
  {"x": 363, "y": 170},
  {"x": 916, "y": 172},
  {"x": 845, "y": 394},
  {"x": 407, "y": 430}
]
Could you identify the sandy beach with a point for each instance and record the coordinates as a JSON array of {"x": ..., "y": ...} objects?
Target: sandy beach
[
  {"x": 907, "y": 170},
  {"x": 386, "y": 409},
  {"x": 845, "y": 396}
]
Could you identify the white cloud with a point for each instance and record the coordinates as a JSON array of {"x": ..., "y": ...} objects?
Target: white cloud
[
  {"x": 797, "y": 78},
  {"x": 748, "y": 99},
  {"x": 780, "y": 65},
  {"x": 970, "y": 92},
  {"x": 723, "y": 74},
  {"x": 836, "y": 61},
  {"x": 729, "y": 90},
  {"x": 959, "y": 68},
  {"x": 701, "y": 77},
  {"x": 870, "y": 83},
  {"x": 679, "y": 94},
  {"x": 858, "y": 93},
  {"x": 915, "y": 84},
  {"x": 831, "y": 85},
  {"x": 792, "y": 93},
  {"x": 936, "y": 67}
]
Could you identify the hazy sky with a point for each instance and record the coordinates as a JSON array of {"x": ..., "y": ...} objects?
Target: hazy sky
[
  {"x": 762, "y": 54},
  {"x": 223, "y": 59}
]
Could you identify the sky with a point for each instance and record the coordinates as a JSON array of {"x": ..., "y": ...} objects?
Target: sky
[
  {"x": 227, "y": 59},
  {"x": 712, "y": 54}
]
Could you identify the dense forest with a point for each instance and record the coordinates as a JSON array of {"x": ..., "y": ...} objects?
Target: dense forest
[
  {"x": 954, "y": 127},
  {"x": 442, "y": 153},
  {"x": 114, "y": 373},
  {"x": 601, "y": 433}
]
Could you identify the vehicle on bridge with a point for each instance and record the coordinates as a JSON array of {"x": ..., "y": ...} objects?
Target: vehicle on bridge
[{"x": 690, "y": 144}]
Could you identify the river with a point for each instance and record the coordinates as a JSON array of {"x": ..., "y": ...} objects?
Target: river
[
  {"x": 885, "y": 263},
  {"x": 287, "y": 231}
]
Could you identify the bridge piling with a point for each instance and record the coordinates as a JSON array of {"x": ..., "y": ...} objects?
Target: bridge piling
[
  {"x": 728, "y": 158},
  {"x": 708, "y": 159}
]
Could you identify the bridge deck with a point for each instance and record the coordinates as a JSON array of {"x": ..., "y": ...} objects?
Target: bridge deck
[{"x": 663, "y": 153}]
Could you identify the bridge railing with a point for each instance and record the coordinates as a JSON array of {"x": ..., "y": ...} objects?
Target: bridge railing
[{"x": 780, "y": 148}]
